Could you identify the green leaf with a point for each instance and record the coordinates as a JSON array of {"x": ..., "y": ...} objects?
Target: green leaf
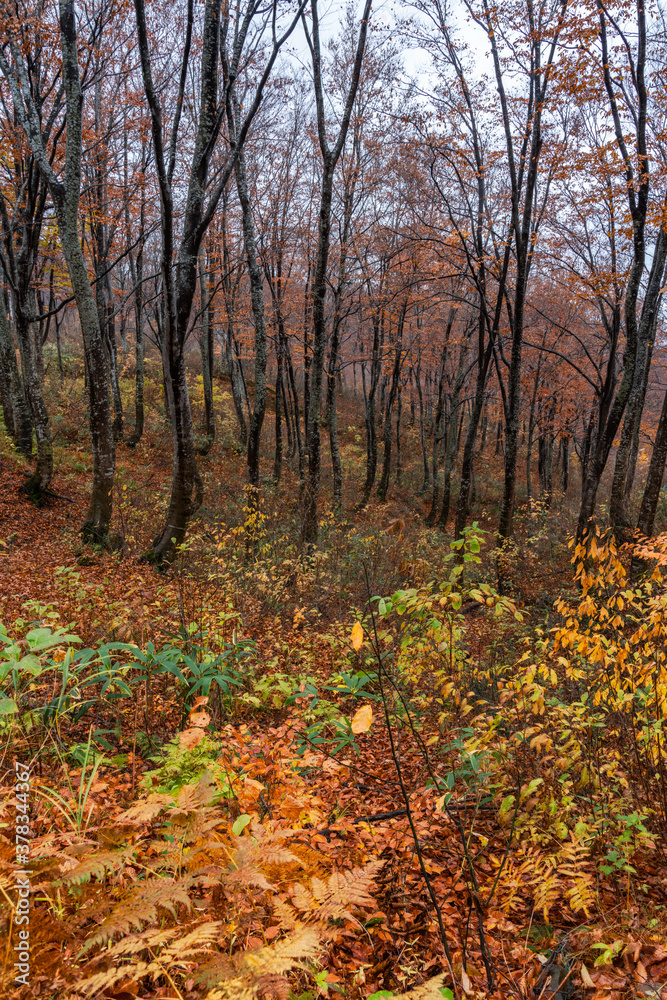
[
  {"x": 8, "y": 706},
  {"x": 240, "y": 824},
  {"x": 31, "y": 664}
]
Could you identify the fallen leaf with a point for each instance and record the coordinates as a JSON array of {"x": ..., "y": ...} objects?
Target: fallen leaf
[
  {"x": 200, "y": 719},
  {"x": 190, "y": 738},
  {"x": 586, "y": 978},
  {"x": 362, "y": 720}
]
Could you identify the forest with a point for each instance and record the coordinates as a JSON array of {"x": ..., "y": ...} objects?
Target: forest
[{"x": 333, "y": 535}]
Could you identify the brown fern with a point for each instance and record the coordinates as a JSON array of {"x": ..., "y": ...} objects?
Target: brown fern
[
  {"x": 430, "y": 990},
  {"x": 165, "y": 950},
  {"x": 336, "y": 898},
  {"x": 96, "y": 866},
  {"x": 141, "y": 906},
  {"x": 248, "y": 975}
]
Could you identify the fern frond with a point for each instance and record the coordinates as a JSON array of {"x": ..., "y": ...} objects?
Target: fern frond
[
  {"x": 134, "y": 944},
  {"x": 252, "y": 855},
  {"x": 546, "y": 893},
  {"x": 102, "y": 981},
  {"x": 272, "y": 987},
  {"x": 96, "y": 866},
  {"x": 141, "y": 906},
  {"x": 145, "y": 810},
  {"x": 430, "y": 990},
  {"x": 263, "y": 849},
  {"x": 282, "y": 956},
  {"x": 247, "y": 875},
  {"x": 200, "y": 939},
  {"x": 247, "y": 976},
  {"x": 173, "y": 950},
  {"x": 338, "y": 896},
  {"x": 191, "y": 798},
  {"x": 353, "y": 887},
  {"x": 286, "y": 915}
]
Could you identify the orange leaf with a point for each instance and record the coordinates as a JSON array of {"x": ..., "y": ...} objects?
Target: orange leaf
[
  {"x": 357, "y": 635},
  {"x": 189, "y": 738},
  {"x": 362, "y": 720},
  {"x": 199, "y": 719}
]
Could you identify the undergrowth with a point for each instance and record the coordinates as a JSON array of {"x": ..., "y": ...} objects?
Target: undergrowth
[{"x": 430, "y": 788}]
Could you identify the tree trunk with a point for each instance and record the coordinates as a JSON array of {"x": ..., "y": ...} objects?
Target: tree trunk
[
  {"x": 499, "y": 438},
  {"x": 37, "y": 486},
  {"x": 618, "y": 504},
  {"x": 422, "y": 432},
  {"x": 467, "y": 471},
  {"x": 309, "y": 527},
  {"x": 98, "y": 518},
  {"x": 531, "y": 426},
  {"x": 134, "y": 440},
  {"x": 565, "y": 465},
  {"x": 655, "y": 475},
  {"x": 14, "y": 406},
  {"x": 206, "y": 351},
  {"x": 383, "y": 485},
  {"x": 256, "y": 278},
  {"x": 236, "y": 381},
  {"x": 399, "y": 468},
  {"x": 301, "y": 451},
  {"x": 186, "y": 486},
  {"x": 278, "y": 460},
  {"x": 112, "y": 348},
  {"x": 331, "y": 411},
  {"x": 485, "y": 425},
  {"x": 330, "y": 157},
  {"x": 369, "y": 401},
  {"x": 65, "y": 193},
  {"x": 438, "y": 431},
  {"x": 289, "y": 418},
  {"x": 453, "y": 438}
]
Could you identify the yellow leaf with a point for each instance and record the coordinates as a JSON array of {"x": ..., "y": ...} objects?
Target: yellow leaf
[
  {"x": 362, "y": 720},
  {"x": 586, "y": 978},
  {"x": 357, "y": 636}
]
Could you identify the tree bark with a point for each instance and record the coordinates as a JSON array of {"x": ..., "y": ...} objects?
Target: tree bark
[
  {"x": 624, "y": 466},
  {"x": 452, "y": 438},
  {"x": 383, "y": 485},
  {"x": 206, "y": 352},
  {"x": 256, "y": 278},
  {"x": 278, "y": 459},
  {"x": 65, "y": 195},
  {"x": 422, "y": 431},
  {"x": 37, "y": 485},
  {"x": 369, "y": 401},
  {"x": 14, "y": 405},
  {"x": 330, "y": 157},
  {"x": 656, "y": 472},
  {"x": 637, "y": 194}
]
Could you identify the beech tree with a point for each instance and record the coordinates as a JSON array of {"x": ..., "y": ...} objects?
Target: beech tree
[
  {"x": 330, "y": 155},
  {"x": 40, "y": 121},
  {"x": 223, "y": 40}
]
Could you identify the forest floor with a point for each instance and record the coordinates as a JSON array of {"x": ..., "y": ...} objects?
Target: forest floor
[{"x": 306, "y": 820}]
